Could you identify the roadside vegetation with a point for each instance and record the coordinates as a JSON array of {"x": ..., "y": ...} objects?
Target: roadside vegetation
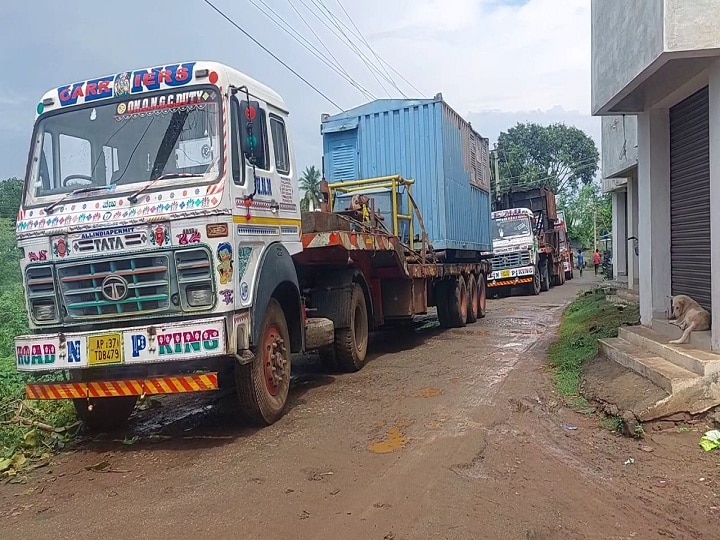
[
  {"x": 589, "y": 318},
  {"x": 29, "y": 432}
]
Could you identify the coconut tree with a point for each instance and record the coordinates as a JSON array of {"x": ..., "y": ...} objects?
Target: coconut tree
[{"x": 310, "y": 184}]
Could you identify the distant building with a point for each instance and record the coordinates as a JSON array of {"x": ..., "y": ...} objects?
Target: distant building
[{"x": 656, "y": 82}]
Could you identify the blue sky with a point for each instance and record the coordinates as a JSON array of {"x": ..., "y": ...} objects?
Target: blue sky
[{"x": 496, "y": 62}]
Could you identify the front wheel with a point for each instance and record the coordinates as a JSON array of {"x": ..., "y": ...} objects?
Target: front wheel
[
  {"x": 545, "y": 277},
  {"x": 536, "y": 285},
  {"x": 263, "y": 384}
]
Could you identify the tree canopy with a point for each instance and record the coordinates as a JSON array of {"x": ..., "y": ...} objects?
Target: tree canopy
[
  {"x": 310, "y": 184},
  {"x": 582, "y": 207},
  {"x": 558, "y": 157},
  {"x": 10, "y": 197}
]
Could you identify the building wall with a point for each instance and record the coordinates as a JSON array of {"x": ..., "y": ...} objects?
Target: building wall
[
  {"x": 619, "y": 148},
  {"x": 627, "y": 36},
  {"x": 692, "y": 25}
]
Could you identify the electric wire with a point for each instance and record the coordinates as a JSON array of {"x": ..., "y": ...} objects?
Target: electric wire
[{"x": 268, "y": 51}]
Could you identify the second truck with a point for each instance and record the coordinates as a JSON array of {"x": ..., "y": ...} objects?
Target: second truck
[
  {"x": 163, "y": 249},
  {"x": 530, "y": 243}
]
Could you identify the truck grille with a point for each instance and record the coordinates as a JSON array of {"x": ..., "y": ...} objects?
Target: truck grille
[
  {"x": 147, "y": 279},
  {"x": 511, "y": 260},
  {"x": 41, "y": 289}
]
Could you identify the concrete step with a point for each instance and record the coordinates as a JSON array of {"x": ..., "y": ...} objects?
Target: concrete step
[
  {"x": 698, "y": 361},
  {"x": 698, "y": 340},
  {"x": 664, "y": 374}
]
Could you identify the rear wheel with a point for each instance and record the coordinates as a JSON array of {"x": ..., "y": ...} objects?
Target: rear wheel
[
  {"x": 263, "y": 384},
  {"x": 473, "y": 300},
  {"x": 458, "y": 302},
  {"x": 544, "y": 277},
  {"x": 351, "y": 343},
  {"x": 442, "y": 302},
  {"x": 105, "y": 414},
  {"x": 482, "y": 295}
]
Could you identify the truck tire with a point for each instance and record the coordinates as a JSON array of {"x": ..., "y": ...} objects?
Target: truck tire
[
  {"x": 535, "y": 286},
  {"x": 351, "y": 343},
  {"x": 442, "y": 302},
  {"x": 107, "y": 414},
  {"x": 544, "y": 277},
  {"x": 457, "y": 302},
  {"x": 473, "y": 300},
  {"x": 263, "y": 384},
  {"x": 482, "y": 296}
]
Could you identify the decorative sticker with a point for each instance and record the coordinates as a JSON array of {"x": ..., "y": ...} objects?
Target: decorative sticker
[
  {"x": 39, "y": 256},
  {"x": 189, "y": 236},
  {"x": 228, "y": 296},
  {"x": 244, "y": 291},
  {"x": 159, "y": 235},
  {"x": 244, "y": 254},
  {"x": 61, "y": 248},
  {"x": 225, "y": 268},
  {"x": 192, "y": 99}
]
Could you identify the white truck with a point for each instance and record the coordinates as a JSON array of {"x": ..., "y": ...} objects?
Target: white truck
[{"x": 162, "y": 250}]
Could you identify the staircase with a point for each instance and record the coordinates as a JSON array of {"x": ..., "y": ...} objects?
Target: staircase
[{"x": 689, "y": 373}]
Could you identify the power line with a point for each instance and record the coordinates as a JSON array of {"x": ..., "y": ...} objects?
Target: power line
[
  {"x": 326, "y": 20},
  {"x": 303, "y": 79},
  {"x": 359, "y": 35},
  {"x": 368, "y": 63},
  {"x": 287, "y": 28}
]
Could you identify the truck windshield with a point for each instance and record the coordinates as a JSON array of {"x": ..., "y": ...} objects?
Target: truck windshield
[
  {"x": 136, "y": 140},
  {"x": 505, "y": 228}
]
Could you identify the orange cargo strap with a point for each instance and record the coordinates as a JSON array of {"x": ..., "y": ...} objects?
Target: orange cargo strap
[{"x": 137, "y": 387}]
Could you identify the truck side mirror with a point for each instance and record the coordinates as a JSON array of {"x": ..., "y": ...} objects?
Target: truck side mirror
[{"x": 252, "y": 135}]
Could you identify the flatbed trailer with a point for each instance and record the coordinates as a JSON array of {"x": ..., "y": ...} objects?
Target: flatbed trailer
[{"x": 350, "y": 270}]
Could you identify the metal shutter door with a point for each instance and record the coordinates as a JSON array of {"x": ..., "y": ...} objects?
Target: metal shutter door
[{"x": 690, "y": 197}]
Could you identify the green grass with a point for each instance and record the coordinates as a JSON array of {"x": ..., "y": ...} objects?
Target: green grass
[{"x": 589, "y": 318}]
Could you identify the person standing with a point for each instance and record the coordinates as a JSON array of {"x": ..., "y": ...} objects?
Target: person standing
[
  {"x": 597, "y": 260},
  {"x": 581, "y": 260}
]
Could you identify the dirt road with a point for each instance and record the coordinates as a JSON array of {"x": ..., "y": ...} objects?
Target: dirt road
[{"x": 448, "y": 435}]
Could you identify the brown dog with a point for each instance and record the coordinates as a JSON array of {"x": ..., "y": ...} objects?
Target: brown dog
[{"x": 689, "y": 316}]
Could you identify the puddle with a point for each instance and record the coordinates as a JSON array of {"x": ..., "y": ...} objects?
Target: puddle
[{"x": 394, "y": 440}]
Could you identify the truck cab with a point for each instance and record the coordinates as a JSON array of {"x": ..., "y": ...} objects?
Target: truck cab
[
  {"x": 156, "y": 231},
  {"x": 515, "y": 245}
]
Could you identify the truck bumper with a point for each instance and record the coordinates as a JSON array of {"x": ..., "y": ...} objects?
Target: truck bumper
[
  {"x": 128, "y": 387},
  {"x": 153, "y": 344},
  {"x": 512, "y": 277}
]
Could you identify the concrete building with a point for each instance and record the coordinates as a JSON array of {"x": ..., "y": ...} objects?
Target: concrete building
[{"x": 656, "y": 82}]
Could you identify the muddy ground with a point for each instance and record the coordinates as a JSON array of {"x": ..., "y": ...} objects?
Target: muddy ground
[{"x": 452, "y": 435}]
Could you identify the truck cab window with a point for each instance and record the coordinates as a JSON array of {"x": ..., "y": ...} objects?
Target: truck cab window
[
  {"x": 280, "y": 144},
  {"x": 75, "y": 161}
]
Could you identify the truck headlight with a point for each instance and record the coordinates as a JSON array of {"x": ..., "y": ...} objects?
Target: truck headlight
[
  {"x": 44, "y": 311},
  {"x": 199, "y": 296}
]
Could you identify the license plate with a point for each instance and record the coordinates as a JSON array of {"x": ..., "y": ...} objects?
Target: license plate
[
  {"x": 105, "y": 349},
  {"x": 505, "y": 273}
]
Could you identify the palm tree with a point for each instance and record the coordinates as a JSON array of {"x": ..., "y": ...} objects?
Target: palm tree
[{"x": 310, "y": 184}]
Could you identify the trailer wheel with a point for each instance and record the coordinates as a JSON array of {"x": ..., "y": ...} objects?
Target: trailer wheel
[
  {"x": 106, "y": 414},
  {"x": 263, "y": 384},
  {"x": 351, "y": 344},
  {"x": 482, "y": 296},
  {"x": 457, "y": 302},
  {"x": 473, "y": 300},
  {"x": 535, "y": 286},
  {"x": 442, "y": 302}
]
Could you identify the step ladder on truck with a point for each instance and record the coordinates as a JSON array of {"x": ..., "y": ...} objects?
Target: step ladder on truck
[{"x": 163, "y": 250}]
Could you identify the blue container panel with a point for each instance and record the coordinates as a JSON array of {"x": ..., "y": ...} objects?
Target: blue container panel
[
  {"x": 467, "y": 207},
  {"x": 417, "y": 140}
]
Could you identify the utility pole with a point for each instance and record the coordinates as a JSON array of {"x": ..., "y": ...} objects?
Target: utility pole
[
  {"x": 496, "y": 167},
  {"x": 595, "y": 238}
]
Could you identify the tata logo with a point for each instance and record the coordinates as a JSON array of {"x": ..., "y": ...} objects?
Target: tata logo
[
  {"x": 114, "y": 288},
  {"x": 110, "y": 243}
]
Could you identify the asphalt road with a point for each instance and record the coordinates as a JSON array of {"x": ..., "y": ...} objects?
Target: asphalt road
[{"x": 444, "y": 434}]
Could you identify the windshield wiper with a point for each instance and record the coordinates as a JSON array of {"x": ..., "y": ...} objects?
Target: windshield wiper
[
  {"x": 133, "y": 197},
  {"x": 50, "y": 208}
]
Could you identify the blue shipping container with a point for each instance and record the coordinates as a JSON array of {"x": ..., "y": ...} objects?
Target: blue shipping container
[{"x": 423, "y": 140}]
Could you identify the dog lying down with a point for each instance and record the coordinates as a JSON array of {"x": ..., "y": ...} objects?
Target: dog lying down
[{"x": 689, "y": 316}]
